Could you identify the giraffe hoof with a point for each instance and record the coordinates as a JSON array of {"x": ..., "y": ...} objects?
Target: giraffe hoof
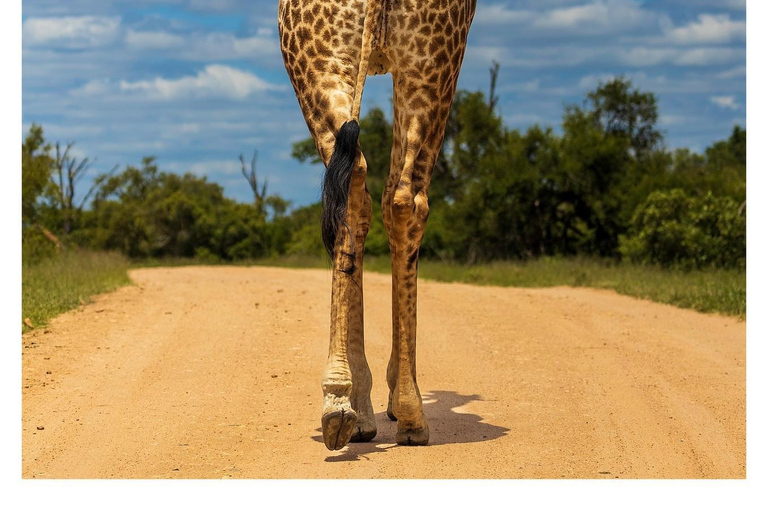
[
  {"x": 363, "y": 432},
  {"x": 413, "y": 436},
  {"x": 338, "y": 426}
]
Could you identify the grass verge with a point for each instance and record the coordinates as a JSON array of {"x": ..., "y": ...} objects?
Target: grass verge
[
  {"x": 66, "y": 280},
  {"x": 708, "y": 291}
]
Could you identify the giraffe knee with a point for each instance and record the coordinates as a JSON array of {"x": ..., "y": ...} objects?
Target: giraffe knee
[
  {"x": 403, "y": 205},
  {"x": 408, "y": 207},
  {"x": 409, "y": 213}
]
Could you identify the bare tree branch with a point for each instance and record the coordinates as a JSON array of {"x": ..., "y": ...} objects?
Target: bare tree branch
[
  {"x": 97, "y": 183},
  {"x": 259, "y": 192},
  {"x": 492, "y": 98}
]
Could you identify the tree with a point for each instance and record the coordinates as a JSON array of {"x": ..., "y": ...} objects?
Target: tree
[
  {"x": 617, "y": 108},
  {"x": 36, "y": 166},
  {"x": 493, "y": 100},
  {"x": 672, "y": 228},
  {"x": 70, "y": 171},
  {"x": 259, "y": 191},
  {"x": 145, "y": 212}
]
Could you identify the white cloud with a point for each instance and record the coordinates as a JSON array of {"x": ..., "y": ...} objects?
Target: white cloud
[
  {"x": 221, "y": 167},
  {"x": 591, "y": 81},
  {"x": 92, "y": 88},
  {"x": 725, "y": 102},
  {"x": 736, "y": 5},
  {"x": 708, "y": 56},
  {"x": 153, "y": 40},
  {"x": 213, "y": 46},
  {"x": 595, "y": 17},
  {"x": 737, "y": 72},
  {"x": 500, "y": 15},
  {"x": 215, "y": 80},
  {"x": 599, "y": 16},
  {"x": 709, "y": 29},
  {"x": 71, "y": 31},
  {"x": 221, "y": 45},
  {"x": 641, "y": 56}
]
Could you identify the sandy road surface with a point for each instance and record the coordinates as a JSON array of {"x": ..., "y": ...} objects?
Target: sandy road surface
[{"x": 214, "y": 372}]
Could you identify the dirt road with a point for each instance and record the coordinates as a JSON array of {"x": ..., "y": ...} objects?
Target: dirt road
[{"x": 214, "y": 372}]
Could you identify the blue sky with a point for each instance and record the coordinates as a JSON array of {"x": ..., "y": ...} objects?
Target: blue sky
[{"x": 197, "y": 82}]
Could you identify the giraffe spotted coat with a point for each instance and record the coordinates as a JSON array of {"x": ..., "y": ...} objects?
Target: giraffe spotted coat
[{"x": 329, "y": 46}]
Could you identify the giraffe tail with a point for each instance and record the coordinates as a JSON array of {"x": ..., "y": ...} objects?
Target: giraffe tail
[
  {"x": 336, "y": 183},
  {"x": 338, "y": 175}
]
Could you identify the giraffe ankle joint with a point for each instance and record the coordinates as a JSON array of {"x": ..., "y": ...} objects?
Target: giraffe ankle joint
[{"x": 334, "y": 388}]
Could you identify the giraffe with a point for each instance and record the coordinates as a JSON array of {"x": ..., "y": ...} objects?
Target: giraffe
[{"x": 328, "y": 47}]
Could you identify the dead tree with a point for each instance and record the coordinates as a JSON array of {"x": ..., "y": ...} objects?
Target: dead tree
[
  {"x": 69, "y": 172},
  {"x": 492, "y": 98},
  {"x": 259, "y": 190}
]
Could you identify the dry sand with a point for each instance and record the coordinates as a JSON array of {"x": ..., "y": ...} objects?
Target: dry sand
[{"x": 214, "y": 372}]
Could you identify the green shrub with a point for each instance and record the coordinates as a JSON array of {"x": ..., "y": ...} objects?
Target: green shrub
[
  {"x": 671, "y": 228},
  {"x": 36, "y": 246}
]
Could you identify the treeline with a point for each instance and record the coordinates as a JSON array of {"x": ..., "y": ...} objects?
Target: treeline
[{"x": 604, "y": 186}]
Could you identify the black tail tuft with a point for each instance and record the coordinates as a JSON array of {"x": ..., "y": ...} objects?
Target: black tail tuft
[{"x": 336, "y": 183}]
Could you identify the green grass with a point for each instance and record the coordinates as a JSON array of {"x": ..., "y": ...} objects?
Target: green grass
[
  {"x": 288, "y": 261},
  {"x": 708, "y": 291},
  {"x": 61, "y": 283},
  {"x": 64, "y": 281}
]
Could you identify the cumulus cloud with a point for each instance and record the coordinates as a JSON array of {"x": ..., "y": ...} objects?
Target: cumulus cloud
[
  {"x": 725, "y": 102},
  {"x": 221, "y": 45},
  {"x": 92, "y": 88},
  {"x": 641, "y": 56},
  {"x": 71, "y": 31},
  {"x": 599, "y": 16},
  {"x": 591, "y": 81},
  {"x": 215, "y": 80},
  {"x": 709, "y": 29},
  {"x": 498, "y": 14},
  {"x": 590, "y": 18},
  {"x": 637, "y": 56},
  {"x": 735, "y": 5},
  {"x": 211, "y": 46},
  {"x": 192, "y": 81},
  {"x": 737, "y": 72}
]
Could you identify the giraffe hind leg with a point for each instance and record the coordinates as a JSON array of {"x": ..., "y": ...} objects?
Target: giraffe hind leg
[
  {"x": 321, "y": 44},
  {"x": 347, "y": 410}
]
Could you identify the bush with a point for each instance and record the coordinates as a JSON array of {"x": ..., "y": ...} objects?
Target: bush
[
  {"x": 36, "y": 246},
  {"x": 671, "y": 228}
]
